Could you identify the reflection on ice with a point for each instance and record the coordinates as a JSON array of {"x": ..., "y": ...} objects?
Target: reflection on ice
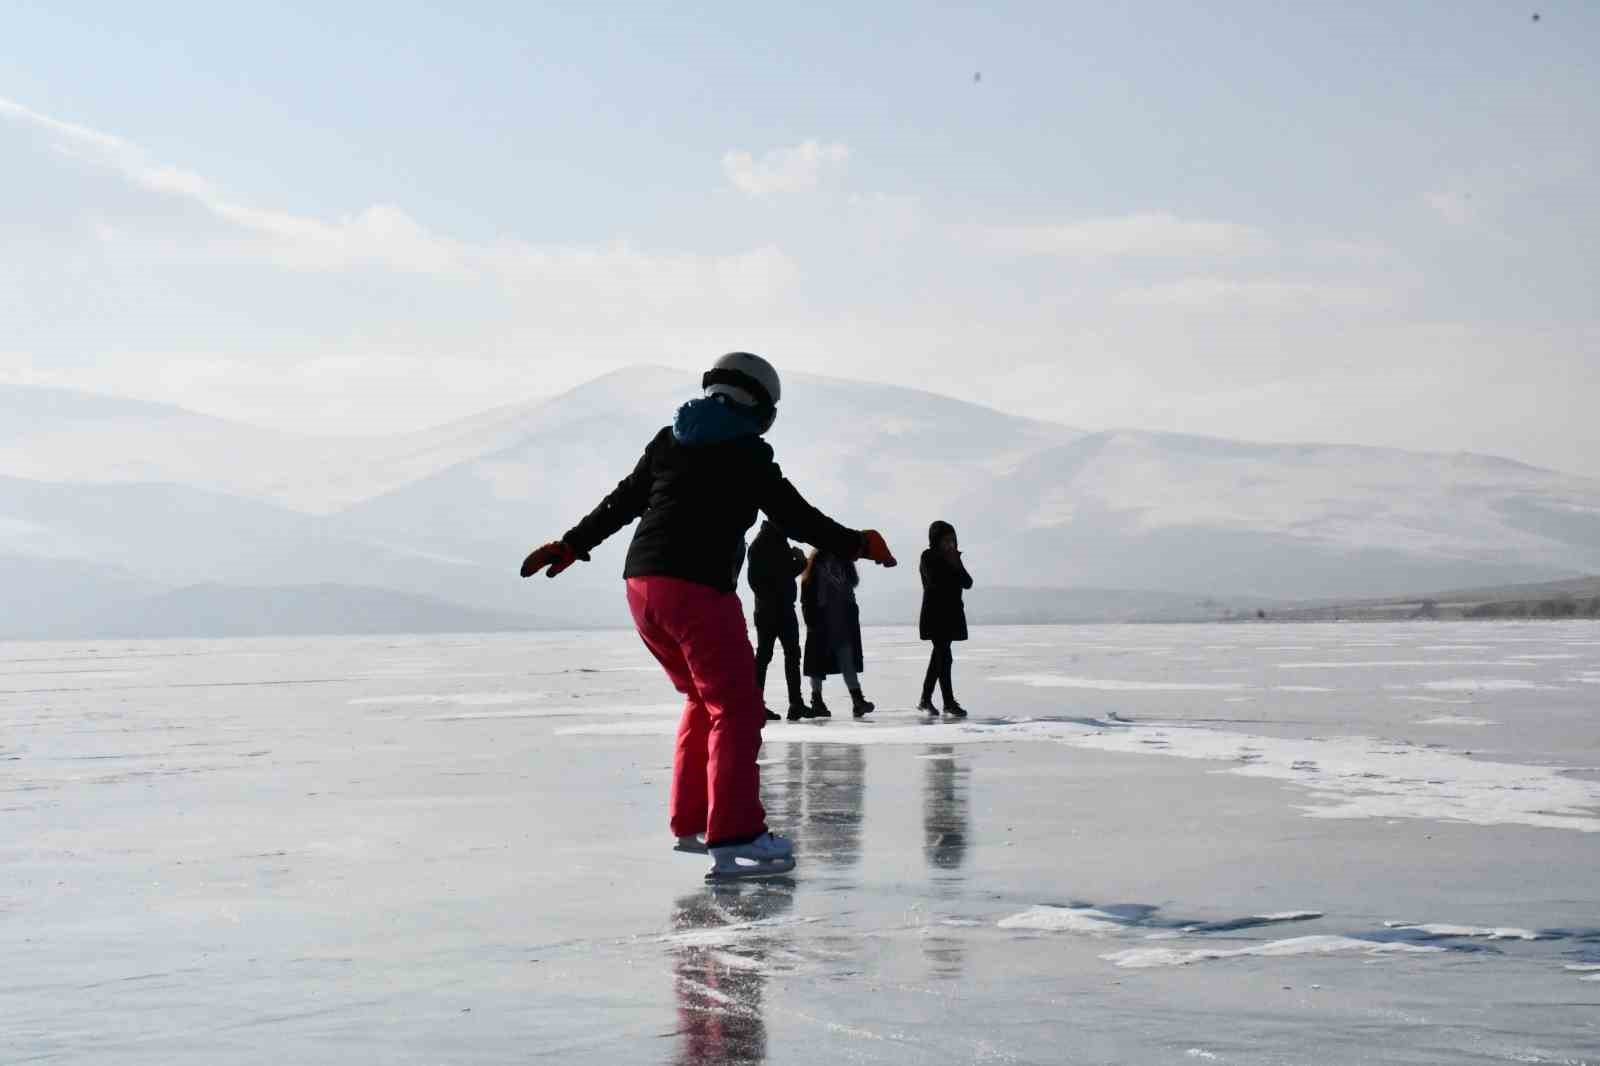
[{"x": 719, "y": 979}]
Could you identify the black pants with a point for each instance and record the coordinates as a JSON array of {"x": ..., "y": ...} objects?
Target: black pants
[
  {"x": 939, "y": 664},
  {"x": 779, "y": 626}
]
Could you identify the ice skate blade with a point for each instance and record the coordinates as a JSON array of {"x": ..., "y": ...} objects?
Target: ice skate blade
[{"x": 772, "y": 868}]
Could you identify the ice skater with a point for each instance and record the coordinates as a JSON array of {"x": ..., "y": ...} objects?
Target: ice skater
[
  {"x": 944, "y": 616},
  {"x": 695, "y": 491},
  {"x": 833, "y": 629},
  {"x": 773, "y": 566}
]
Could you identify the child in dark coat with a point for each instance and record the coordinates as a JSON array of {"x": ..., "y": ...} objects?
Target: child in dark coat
[{"x": 944, "y": 616}]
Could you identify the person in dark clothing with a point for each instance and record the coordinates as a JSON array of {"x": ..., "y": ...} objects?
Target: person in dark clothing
[
  {"x": 773, "y": 566},
  {"x": 833, "y": 629},
  {"x": 695, "y": 491},
  {"x": 944, "y": 616}
]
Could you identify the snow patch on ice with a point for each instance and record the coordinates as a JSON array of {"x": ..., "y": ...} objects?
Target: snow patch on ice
[
  {"x": 1141, "y": 958},
  {"x": 1112, "y": 685},
  {"x": 1301, "y": 688},
  {"x": 1488, "y": 684},
  {"x": 1445, "y": 929},
  {"x": 453, "y": 699},
  {"x": 569, "y": 710},
  {"x": 1456, "y": 719},
  {"x": 643, "y": 728},
  {"x": 1386, "y": 663},
  {"x": 1064, "y": 920}
]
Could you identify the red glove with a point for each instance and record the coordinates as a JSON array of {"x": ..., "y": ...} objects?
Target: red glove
[
  {"x": 874, "y": 548},
  {"x": 557, "y": 555}
]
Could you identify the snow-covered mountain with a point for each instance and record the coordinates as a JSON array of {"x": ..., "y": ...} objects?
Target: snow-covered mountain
[
  {"x": 59, "y": 435},
  {"x": 1196, "y": 514},
  {"x": 871, "y": 455},
  {"x": 108, "y": 497}
]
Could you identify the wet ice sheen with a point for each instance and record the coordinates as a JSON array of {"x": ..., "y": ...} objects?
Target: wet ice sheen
[{"x": 431, "y": 850}]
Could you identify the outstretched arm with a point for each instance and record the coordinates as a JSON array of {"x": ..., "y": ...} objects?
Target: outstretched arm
[{"x": 803, "y": 522}]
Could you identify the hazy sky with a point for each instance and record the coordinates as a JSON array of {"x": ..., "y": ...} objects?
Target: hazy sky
[{"x": 1371, "y": 222}]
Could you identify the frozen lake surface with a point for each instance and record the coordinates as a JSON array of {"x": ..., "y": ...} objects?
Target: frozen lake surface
[{"x": 1220, "y": 844}]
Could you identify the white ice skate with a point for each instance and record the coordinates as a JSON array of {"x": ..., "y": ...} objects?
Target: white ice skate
[
  {"x": 693, "y": 844},
  {"x": 764, "y": 856}
]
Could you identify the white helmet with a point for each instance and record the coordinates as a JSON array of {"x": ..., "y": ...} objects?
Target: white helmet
[{"x": 747, "y": 380}]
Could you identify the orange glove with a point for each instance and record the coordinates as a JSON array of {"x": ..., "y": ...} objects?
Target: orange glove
[
  {"x": 557, "y": 555},
  {"x": 873, "y": 547}
]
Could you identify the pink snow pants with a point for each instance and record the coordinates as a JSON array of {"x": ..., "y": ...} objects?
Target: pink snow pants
[{"x": 698, "y": 635}]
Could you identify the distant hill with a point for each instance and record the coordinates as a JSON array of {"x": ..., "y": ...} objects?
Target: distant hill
[
  {"x": 1200, "y": 515},
  {"x": 60, "y": 435},
  {"x": 42, "y": 596},
  {"x": 1574, "y": 598}
]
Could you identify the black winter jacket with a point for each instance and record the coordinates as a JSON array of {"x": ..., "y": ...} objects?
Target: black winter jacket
[
  {"x": 696, "y": 503},
  {"x": 944, "y": 616},
  {"x": 774, "y": 565}
]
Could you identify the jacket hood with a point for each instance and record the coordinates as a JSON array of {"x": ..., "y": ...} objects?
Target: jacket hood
[
  {"x": 938, "y": 531},
  {"x": 709, "y": 420}
]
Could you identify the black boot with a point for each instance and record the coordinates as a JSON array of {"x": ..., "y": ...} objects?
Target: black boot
[
  {"x": 798, "y": 710},
  {"x": 818, "y": 709},
  {"x": 859, "y": 704},
  {"x": 925, "y": 705},
  {"x": 771, "y": 717},
  {"x": 952, "y": 709}
]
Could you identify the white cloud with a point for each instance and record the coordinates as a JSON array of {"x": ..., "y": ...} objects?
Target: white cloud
[
  {"x": 385, "y": 236},
  {"x": 783, "y": 170},
  {"x": 1145, "y": 235},
  {"x": 379, "y": 235}
]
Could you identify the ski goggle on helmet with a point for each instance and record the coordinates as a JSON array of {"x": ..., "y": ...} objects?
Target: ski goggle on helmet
[{"x": 748, "y": 381}]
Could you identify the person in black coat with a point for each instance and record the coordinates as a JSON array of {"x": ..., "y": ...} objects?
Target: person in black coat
[
  {"x": 944, "y": 616},
  {"x": 773, "y": 566},
  {"x": 833, "y": 628}
]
